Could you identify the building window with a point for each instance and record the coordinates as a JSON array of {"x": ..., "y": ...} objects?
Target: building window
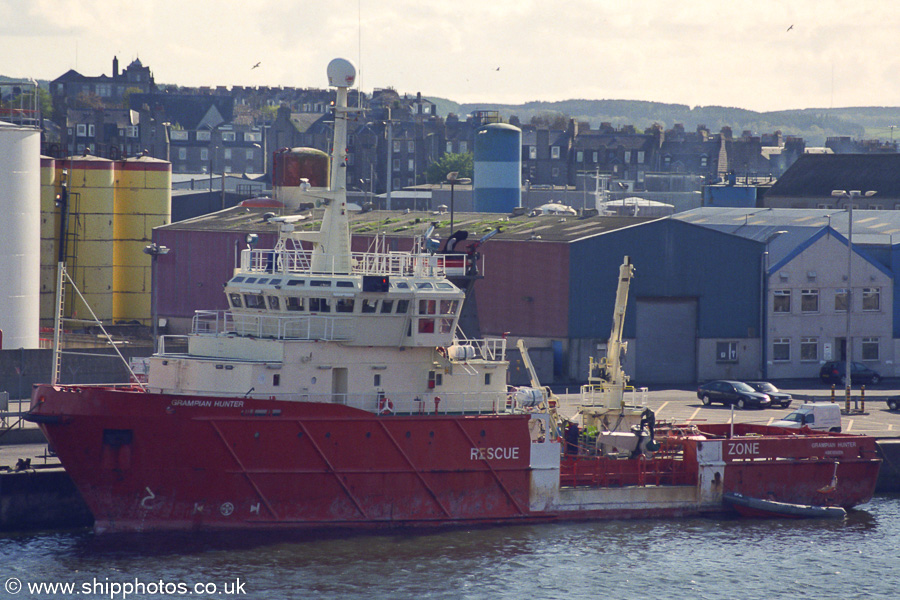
[
  {"x": 871, "y": 299},
  {"x": 463, "y": 147},
  {"x": 227, "y": 154},
  {"x": 181, "y": 135},
  {"x": 411, "y": 147},
  {"x": 579, "y": 156},
  {"x": 487, "y": 379},
  {"x": 781, "y": 349},
  {"x": 640, "y": 157},
  {"x": 203, "y": 136},
  {"x": 449, "y": 148},
  {"x": 81, "y": 130},
  {"x": 396, "y": 164},
  {"x": 204, "y": 153},
  {"x": 809, "y": 301},
  {"x": 840, "y": 300},
  {"x": 782, "y": 301},
  {"x": 870, "y": 348},
  {"x": 411, "y": 164},
  {"x": 726, "y": 351},
  {"x": 377, "y": 380},
  {"x": 396, "y": 146},
  {"x": 227, "y": 136},
  {"x": 554, "y": 152},
  {"x": 182, "y": 154},
  {"x": 532, "y": 152},
  {"x": 704, "y": 160},
  {"x": 250, "y": 154},
  {"x": 627, "y": 156},
  {"x": 132, "y": 131},
  {"x": 554, "y": 172},
  {"x": 91, "y": 130},
  {"x": 809, "y": 348},
  {"x": 667, "y": 160},
  {"x": 253, "y": 136}
]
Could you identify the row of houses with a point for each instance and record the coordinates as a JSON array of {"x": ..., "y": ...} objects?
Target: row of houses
[{"x": 391, "y": 143}]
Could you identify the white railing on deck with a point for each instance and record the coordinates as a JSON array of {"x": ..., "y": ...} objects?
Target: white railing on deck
[
  {"x": 603, "y": 396},
  {"x": 306, "y": 327},
  {"x": 363, "y": 263}
]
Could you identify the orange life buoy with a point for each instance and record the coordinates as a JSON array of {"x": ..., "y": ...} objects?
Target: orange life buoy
[{"x": 385, "y": 406}]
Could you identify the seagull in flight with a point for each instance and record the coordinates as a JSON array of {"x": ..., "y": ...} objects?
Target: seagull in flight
[
  {"x": 259, "y": 63},
  {"x": 791, "y": 27}
]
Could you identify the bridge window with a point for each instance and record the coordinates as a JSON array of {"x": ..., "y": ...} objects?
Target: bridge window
[
  {"x": 255, "y": 301},
  {"x": 344, "y": 305},
  {"x": 446, "y": 325},
  {"x": 426, "y": 325},
  {"x": 273, "y": 303},
  {"x": 294, "y": 303},
  {"x": 402, "y": 307},
  {"x": 369, "y": 305},
  {"x": 320, "y": 305},
  {"x": 235, "y": 300},
  {"x": 386, "y": 306},
  {"x": 448, "y": 307},
  {"x": 427, "y": 307}
]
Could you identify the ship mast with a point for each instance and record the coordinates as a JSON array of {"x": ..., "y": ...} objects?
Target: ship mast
[{"x": 331, "y": 253}]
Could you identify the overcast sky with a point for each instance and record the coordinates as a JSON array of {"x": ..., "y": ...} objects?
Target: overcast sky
[{"x": 760, "y": 54}]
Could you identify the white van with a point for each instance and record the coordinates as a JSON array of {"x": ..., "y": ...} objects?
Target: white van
[{"x": 823, "y": 416}]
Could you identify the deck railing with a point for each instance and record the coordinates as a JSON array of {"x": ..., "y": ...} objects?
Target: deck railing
[
  {"x": 363, "y": 263},
  {"x": 306, "y": 327}
]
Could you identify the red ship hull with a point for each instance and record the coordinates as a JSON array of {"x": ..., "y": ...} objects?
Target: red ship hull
[{"x": 147, "y": 462}]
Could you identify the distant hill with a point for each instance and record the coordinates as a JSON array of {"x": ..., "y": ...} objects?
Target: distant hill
[{"x": 812, "y": 124}]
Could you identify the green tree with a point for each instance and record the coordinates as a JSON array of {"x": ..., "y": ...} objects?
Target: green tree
[
  {"x": 551, "y": 120},
  {"x": 464, "y": 163},
  {"x": 127, "y": 94}
]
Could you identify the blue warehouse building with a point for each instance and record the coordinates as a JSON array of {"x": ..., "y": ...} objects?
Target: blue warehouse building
[{"x": 694, "y": 311}]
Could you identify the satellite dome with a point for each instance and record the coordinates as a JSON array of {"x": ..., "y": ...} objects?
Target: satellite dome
[{"x": 341, "y": 73}]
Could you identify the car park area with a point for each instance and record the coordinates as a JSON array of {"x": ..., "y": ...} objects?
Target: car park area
[{"x": 871, "y": 416}]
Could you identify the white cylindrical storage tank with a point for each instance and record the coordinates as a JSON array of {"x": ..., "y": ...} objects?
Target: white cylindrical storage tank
[{"x": 20, "y": 235}]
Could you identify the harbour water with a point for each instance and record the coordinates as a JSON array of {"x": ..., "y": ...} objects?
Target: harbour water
[{"x": 689, "y": 558}]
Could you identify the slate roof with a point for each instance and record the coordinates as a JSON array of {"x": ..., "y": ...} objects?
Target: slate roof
[
  {"x": 816, "y": 175},
  {"x": 549, "y": 228},
  {"x": 869, "y": 226},
  {"x": 187, "y": 110}
]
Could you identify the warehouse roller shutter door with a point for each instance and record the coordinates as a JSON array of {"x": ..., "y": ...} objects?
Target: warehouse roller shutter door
[{"x": 666, "y": 341}]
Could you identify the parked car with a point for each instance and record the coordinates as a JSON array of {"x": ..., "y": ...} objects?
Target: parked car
[
  {"x": 779, "y": 398},
  {"x": 732, "y": 392},
  {"x": 833, "y": 372},
  {"x": 893, "y": 403}
]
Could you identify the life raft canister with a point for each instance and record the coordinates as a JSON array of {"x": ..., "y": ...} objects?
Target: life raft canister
[{"x": 385, "y": 406}]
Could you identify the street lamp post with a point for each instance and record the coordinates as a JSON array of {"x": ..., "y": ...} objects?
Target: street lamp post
[
  {"x": 849, "y": 196},
  {"x": 155, "y": 250},
  {"x": 453, "y": 178}
]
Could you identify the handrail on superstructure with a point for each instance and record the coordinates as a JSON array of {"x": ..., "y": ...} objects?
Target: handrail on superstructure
[
  {"x": 362, "y": 263},
  {"x": 302, "y": 327}
]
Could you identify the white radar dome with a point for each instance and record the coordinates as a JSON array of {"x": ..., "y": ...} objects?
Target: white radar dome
[{"x": 341, "y": 73}]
